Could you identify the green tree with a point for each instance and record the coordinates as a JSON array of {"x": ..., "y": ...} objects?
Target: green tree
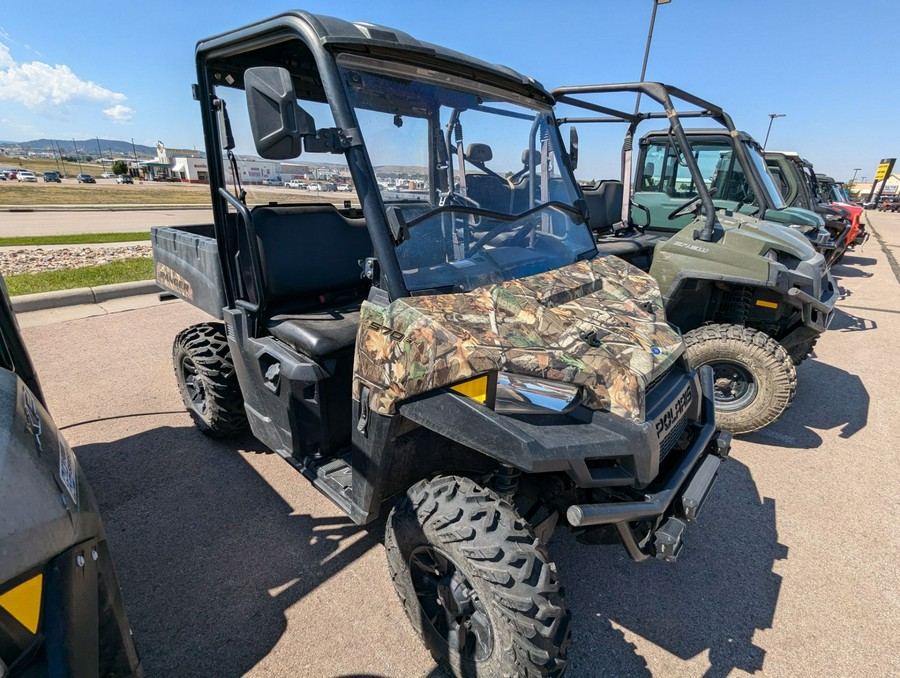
[{"x": 119, "y": 167}]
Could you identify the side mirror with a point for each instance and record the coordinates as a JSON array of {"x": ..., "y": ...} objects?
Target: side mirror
[
  {"x": 573, "y": 147},
  {"x": 276, "y": 120}
]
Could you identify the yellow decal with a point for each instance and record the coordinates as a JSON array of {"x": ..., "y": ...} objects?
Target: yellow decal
[
  {"x": 767, "y": 304},
  {"x": 24, "y": 602},
  {"x": 476, "y": 389},
  {"x": 174, "y": 282}
]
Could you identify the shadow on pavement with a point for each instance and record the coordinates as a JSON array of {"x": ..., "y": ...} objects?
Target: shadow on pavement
[
  {"x": 847, "y": 322},
  {"x": 855, "y": 260},
  {"x": 208, "y": 553},
  {"x": 797, "y": 429},
  {"x": 718, "y": 594}
]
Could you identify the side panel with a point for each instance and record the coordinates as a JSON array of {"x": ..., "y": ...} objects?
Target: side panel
[{"x": 186, "y": 261}]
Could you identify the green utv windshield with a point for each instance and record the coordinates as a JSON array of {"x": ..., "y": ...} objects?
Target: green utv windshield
[{"x": 471, "y": 176}]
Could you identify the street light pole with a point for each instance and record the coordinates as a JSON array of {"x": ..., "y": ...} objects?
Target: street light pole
[
  {"x": 855, "y": 170},
  {"x": 656, "y": 3},
  {"x": 772, "y": 117}
]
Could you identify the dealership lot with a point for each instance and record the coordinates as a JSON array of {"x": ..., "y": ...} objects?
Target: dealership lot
[{"x": 231, "y": 563}]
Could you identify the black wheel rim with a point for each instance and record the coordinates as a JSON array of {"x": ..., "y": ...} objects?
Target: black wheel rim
[
  {"x": 450, "y": 604},
  {"x": 734, "y": 385},
  {"x": 196, "y": 390}
]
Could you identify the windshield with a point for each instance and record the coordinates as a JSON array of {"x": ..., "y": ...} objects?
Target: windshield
[
  {"x": 763, "y": 173},
  {"x": 471, "y": 176}
]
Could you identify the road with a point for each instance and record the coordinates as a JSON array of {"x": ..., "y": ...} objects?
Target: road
[
  {"x": 97, "y": 221},
  {"x": 231, "y": 564}
]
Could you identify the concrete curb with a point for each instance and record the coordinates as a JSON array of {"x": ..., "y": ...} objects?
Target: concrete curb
[{"x": 82, "y": 295}]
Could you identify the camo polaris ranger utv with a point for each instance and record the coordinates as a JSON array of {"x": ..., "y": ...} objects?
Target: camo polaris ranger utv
[
  {"x": 751, "y": 296},
  {"x": 61, "y": 608},
  {"x": 455, "y": 350}
]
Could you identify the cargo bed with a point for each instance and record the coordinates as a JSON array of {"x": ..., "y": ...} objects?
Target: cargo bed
[{"x": 186, "y": 263}]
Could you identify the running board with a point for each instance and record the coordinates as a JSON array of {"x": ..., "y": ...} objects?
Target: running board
[{"x": 334, "y": 479}]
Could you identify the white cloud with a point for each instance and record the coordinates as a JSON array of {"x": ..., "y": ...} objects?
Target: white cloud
[
  {"x": 119, "y": 114},
  {"x": 36, "y": 84}
]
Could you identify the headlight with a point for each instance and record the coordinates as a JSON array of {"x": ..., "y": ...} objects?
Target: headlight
[
  {"x": 517, "y": 394},
  {"x": 806, "y": 229},
  {"x": 833, "y": 217}
]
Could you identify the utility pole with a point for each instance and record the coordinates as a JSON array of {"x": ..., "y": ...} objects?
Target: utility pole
[
  {"x": 77, "y": 157},
  {"x": 772, "y": 117},
  {"x": 65, "y": 169},
  {"x": 100, "y": 151},
  {"x": 656, "y": 3}
]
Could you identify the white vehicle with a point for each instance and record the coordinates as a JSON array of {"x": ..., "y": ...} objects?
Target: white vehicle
[
  {"x": 107, "y": 175},
  {"x": 26, "y": 176},
  {"x": 314, "y": 187},
  {"x": 344, "y": 187},
  {"x": 296, "y": 183}
]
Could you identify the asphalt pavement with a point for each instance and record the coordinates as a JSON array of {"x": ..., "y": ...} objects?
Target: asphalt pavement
[
  {"x": 232, "y": 564},
  {"x": 97, "y": 221}
]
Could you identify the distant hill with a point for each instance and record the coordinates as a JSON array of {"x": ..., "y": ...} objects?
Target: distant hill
[{"x": 85, "y": 146}]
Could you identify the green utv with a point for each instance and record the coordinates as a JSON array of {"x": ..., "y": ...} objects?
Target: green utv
[
  {"x": 736, "y": 174},
  {"x": 451, "y": 348},
  {"x": 61, "y": 608},
  {"x": 750, "y": 295}
]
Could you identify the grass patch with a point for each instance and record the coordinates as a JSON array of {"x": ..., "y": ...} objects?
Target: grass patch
[
  {"x": 72, "y": 239},
  {"x": 125, "y": 270},
  {"x": 105, "y": 193}
]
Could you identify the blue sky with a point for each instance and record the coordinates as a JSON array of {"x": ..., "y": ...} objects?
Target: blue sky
[{"x": 123, "y": 70}]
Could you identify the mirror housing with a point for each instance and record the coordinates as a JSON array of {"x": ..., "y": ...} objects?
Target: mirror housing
[
  {"x": 277, "y": 121},
  {"x": 573, "y": 147}
]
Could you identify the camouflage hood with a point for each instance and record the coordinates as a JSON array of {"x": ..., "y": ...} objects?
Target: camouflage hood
[{"x": 599, "y": 324}]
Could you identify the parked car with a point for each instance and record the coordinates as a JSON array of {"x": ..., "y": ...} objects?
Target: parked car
[
  {"x": 124, "y": 179},
  {"x": 344, "y": 187},
  {"x": 271, "y": 182},
  {"x": 107, "y": 175},
  {"x": 296, "y": 184},
  {"x": 85, "y": 179},
  {"x": 11, "y": 175},
  {"x": 26, "y": 176},
  {"x": 315, "y": 187},
  {"x": 50, "y": 177}
]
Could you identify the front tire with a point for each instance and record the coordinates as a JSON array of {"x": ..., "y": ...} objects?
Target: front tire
[
  {"x": 476, "y": 584},
  {"x": 755, "y": 378},
  {"x": 207, "y": 380}
]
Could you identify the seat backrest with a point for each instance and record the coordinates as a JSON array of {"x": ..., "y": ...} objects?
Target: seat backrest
[
  {"x": 604, "y": 203},
  {"x": 491, "y": 192},
  {"x": 309, "y": 251}
]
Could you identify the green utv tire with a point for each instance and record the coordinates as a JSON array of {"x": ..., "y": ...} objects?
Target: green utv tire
[
  {"x": 802, "y": 351},
  {"x": 476, "y": 583},
  {"x": 755, "y": 378},
  {"x": 207, "y": 380}
]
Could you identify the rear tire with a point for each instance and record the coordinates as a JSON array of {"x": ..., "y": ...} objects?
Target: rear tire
[
  {"x": 754, "y": 376},
  {"x": 207, "y": 380},
  {"x": 476, "y": 584}
]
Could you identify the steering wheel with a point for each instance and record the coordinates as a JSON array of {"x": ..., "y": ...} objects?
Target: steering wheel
[
  {"x": 689, "y": 206},
  {"x": 502, "y": 227},
  {"x": 454, "y": 198}
]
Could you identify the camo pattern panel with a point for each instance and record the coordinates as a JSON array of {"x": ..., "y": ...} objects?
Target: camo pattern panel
[{"x": 599, "y": 324}]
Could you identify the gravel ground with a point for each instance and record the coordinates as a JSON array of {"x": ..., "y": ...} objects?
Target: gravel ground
[{"x": 39, "y": 259}]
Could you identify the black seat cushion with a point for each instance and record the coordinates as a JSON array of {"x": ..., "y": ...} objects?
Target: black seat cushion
[{"x": 319, "y": 332}]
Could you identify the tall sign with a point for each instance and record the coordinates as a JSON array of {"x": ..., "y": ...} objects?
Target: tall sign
[{"x": 885, "y": 167}]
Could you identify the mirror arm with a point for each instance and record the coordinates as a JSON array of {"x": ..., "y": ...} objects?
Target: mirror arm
[{"x": 332, "y": 140}]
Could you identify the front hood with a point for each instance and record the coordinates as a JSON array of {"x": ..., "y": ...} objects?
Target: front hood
[
  {"x": 764, "y": 236},
  {"x": 599, "y": 324},
  {"x": 795, "y": 216}
]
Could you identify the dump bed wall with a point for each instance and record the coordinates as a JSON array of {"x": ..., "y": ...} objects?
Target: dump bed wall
[{"x": 186, "y": 261}]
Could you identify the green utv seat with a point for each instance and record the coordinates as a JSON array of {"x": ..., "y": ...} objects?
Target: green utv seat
[{"x": 310, "y": 262}]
